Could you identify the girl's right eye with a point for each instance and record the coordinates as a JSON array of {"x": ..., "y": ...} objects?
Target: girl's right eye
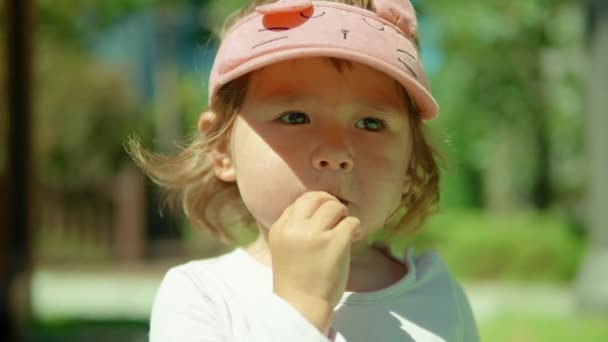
[{"x": 294, "y": 118}]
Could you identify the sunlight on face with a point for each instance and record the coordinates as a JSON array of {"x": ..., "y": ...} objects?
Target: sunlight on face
[{"x": 306, "y": 126}]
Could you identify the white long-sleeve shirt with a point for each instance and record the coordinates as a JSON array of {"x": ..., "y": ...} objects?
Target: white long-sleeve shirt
[{"x": 230, "y": 298}]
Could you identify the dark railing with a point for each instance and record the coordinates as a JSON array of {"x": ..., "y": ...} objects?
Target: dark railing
[{"x": 101, "y": 223}]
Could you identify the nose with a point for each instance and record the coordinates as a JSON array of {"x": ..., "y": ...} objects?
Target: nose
[{"x": 333, "y": 158}]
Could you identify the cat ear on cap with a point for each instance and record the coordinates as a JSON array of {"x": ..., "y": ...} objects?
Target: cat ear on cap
[{"x": 400, "y": 13}]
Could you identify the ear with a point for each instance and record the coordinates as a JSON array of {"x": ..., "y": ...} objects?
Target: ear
[{"x": 219, "y": 155}]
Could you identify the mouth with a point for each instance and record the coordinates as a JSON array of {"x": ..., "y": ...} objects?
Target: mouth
[
  {"x": 342, "y": 200},
  {"x": 337, "y": 194}
]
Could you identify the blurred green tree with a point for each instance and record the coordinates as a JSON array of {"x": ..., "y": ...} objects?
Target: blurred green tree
[
  {"x": 509, "y": 86},
  {"x": 86, "y": 109},
  {"x": 592, "y": 280},
  {"x": 83, "y": 113}
]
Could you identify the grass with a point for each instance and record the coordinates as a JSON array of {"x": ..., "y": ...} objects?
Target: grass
[
  {"x": 87, "y": 330},
  {"x": 532, "y": 328},
  {"x": 506, "y": 328}
]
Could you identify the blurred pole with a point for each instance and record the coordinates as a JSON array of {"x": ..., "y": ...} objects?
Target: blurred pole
[
  {"x": 592, "y": 282},
  {"x": 130, "y": 235},
  {"x": 14, "y": 234}
]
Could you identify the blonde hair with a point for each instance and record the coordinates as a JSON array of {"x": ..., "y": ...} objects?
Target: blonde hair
[{"x": 190, "y": 183}]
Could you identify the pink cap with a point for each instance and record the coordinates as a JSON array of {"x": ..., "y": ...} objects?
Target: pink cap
[{"x": 289, "y": 29}]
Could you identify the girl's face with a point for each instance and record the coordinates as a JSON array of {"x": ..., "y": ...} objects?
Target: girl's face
[{"x": 305, "y": 126}]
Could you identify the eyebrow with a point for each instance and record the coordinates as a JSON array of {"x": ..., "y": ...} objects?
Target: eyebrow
[
  {"x": 293, "y": 97},
  {"x": 381, "y": 106},
  {"x": 278, "y": 96}
]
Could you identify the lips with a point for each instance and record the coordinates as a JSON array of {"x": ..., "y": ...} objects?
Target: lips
[
  {"x": 339, "y": 197},
  {"x": 337, "y": 194},
  {"x": 343, "y": 201}
]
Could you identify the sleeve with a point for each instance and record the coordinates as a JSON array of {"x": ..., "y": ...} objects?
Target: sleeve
[
  {"x": 469, "y": 327},
  {"x": 282, "y": 322},
  {"x": 184, "y": 312}
]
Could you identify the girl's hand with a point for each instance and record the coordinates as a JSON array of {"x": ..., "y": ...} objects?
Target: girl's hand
[{"x": 310, "y": 248}]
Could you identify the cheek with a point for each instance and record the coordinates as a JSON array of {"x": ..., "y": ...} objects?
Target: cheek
[
  {"x": 385, "y": 162},
  {"x": 383, "y": 184},
  {"x": 382, "y": 175},
  {"x": 266, "y": 183}
]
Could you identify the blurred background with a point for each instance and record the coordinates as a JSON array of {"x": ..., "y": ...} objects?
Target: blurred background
[{"x": 523, "y": 90}]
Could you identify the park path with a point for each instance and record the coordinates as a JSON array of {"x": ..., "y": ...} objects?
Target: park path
[{"x": 129, "y": 294}]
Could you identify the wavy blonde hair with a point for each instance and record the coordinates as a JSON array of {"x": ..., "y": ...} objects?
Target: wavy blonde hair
[{"x": 191, "y": 185}]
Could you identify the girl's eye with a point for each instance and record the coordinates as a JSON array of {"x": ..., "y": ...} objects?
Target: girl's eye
[
  {"x": 295, "y": 118},
  {"x": 371, "y": 124}
]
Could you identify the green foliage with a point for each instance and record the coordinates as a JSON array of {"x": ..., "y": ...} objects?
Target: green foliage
[
  {"x": 191, "y": 100},
  {"x": 73, "y": 21},
  {"x": 522, "y": 246},
  {"x": 510, "y": 93},
  {"x": 218, "y": 11},
  {"x": 82, "y": 115}
]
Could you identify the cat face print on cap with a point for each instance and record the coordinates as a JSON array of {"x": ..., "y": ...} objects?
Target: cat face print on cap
[{"x": 288, "y": 29}]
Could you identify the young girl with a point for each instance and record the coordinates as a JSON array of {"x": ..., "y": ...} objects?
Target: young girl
[{"x": 315, "y": 132}]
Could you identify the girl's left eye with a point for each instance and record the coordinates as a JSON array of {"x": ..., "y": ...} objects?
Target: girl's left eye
[
  {"x": 295, "y": 118},
  {"x": 371, "y": 124}
]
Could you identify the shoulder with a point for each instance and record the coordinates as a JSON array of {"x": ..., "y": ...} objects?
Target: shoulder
[
  {"x": 432, "y": 275},
  {"x": 190, "y": 299},
  {"x": 221, "y": 264},
  {"x": 193, "y": 285},
  {"x": 434, "y": 272},
  {"x": 428, "y": 266},
  {"x": 203, "y": 277}
]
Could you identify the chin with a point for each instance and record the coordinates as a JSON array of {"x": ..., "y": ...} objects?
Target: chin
[{"x": 265, "y": 211}]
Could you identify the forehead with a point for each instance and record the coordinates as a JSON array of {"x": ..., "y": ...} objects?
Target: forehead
[{"x": 321, "y": 78}]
